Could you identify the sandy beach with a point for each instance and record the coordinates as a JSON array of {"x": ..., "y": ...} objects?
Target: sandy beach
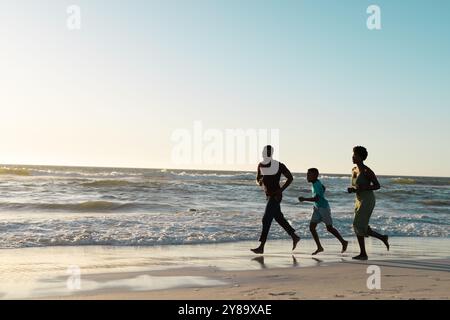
[
  {"x": 415, "y": 268},
  {"x": 411, "y": 279}
]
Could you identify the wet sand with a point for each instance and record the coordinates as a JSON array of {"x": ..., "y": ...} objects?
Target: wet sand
[{"x": 415, "y": 268}]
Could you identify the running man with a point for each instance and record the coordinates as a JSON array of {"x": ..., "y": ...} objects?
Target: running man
[{"x": 268, "y": 176}]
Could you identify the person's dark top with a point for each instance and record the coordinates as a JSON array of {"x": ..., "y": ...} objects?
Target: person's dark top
[{"x": 271, "y": 183}]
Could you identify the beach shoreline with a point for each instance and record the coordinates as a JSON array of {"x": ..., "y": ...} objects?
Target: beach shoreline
[
  {"x": 342, "y": 281},
  {"x": 415, "y": 268}
]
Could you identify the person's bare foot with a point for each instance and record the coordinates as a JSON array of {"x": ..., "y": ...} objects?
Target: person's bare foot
[
  {"x": 258, "y": 250},
  {"x": 319, "y": 250},
  {"x": 344, "y": 246},
  {"x": 386, "y": 242},
  {"x": 361, "y": 257},
  {"x": 295, "y": 240}
]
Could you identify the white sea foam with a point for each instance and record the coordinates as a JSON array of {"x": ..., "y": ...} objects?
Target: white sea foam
[{"x": 50, "y": 206}]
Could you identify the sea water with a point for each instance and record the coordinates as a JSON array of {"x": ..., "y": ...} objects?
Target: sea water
[{"x": 71, "y": 206}]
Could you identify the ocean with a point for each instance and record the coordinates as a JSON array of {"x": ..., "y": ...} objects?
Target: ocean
[{"x": 44, "y": 206}]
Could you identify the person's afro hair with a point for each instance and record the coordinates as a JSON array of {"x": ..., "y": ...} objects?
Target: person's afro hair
[{"x": 361, "y": 151}]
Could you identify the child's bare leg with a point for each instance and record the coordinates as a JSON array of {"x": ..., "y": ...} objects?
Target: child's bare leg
[
  {"x": 336, "y": 233},
  {"x": 312, "y": 228}
]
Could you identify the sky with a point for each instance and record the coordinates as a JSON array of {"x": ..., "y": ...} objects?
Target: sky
[{"x": 114, "y": 92}]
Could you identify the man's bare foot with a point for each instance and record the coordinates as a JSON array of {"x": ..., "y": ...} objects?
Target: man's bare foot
[
  {"x": 386, "y": 242},
  {"x": 344, "y": 246},
  {"x": 295, "y": 240},
  {"x": 361, "y": 257},
  {"x": 319, "y": 250},
  {"x": 258, "y": 250}
]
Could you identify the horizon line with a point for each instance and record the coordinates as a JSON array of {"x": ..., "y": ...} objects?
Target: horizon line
[{"x": 209, "y": 170}]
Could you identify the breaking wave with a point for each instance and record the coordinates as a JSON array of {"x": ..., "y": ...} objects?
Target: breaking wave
[
  {"x": 87, "y": 206},
  {"x": 107, "y": 183},
  {"x": 15, "y": 171}
]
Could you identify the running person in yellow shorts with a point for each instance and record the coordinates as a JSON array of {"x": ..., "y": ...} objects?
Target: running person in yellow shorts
[{"x": 364, "y": 182}]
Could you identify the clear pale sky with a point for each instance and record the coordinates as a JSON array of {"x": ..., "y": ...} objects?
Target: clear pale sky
[{"x": 112, "y": 93}]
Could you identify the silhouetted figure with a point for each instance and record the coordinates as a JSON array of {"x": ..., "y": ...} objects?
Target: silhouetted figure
[
  {"x": 321, "y": 211},
  {"x": 364, "y": 182},
  {"x": 268, "y": 175}
]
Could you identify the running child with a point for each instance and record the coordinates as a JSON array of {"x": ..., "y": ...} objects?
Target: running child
[{"x": 321, "y": 211}]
